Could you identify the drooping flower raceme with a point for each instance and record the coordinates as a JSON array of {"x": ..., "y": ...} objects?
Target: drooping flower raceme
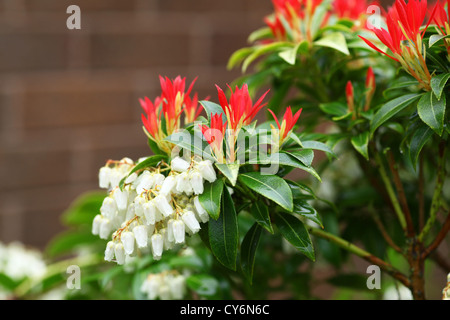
[
  {"x": 404, "y": 38},
  {"x": 153, "y": 211}
]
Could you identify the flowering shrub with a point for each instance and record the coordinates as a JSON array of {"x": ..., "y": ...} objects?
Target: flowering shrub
[{"x": 369, "y": 92}]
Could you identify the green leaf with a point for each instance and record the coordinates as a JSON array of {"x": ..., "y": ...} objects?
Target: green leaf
[
  {"x": 297, "y": 189},
  {"x": 68, "y": 241},
  {"x": 264, "y": 49},
  {"x": 229, "y": 170},
  {"x": 336, "y": 109},
  {"x": 212, "y": 108},
  {"x": 418, "y": 140},
  {"x": 83, "y": 210},
  {"x": 203, "y": 284},
  {"x": 191, "y": 143},
  {"x": 438, "y": 84},
  {"x": 259, "y": 34},
  {"x": 334, "y": 40},
  {"x": 360, "y": 143},
  {"x": 390, "y": 109},
  {"x": 294, "y": 231},
  {"x": 436, "y": 38},
  {"x": 432, "y": 111},
  {"x": 304, "y": 209},
  {"x": 260, "y": 212},
  {"x": 223, "y": 233},
  {"x": 149, "y": 162},
  {"x": 306, "y": 156},
  {"x": 211, "y": 197},
  {"x": 290, "y": 55},
  {"x": 7, "y": 282},
  {"x": 248, "y": 250},
  {"x": 238, "y": 56},
  {"x": 316, "y": 145},
  {"x": 269, "y": 186}
]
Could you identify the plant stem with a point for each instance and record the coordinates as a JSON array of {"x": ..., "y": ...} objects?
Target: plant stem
[
  {"x": 390, "y": 191},
  {"x": 436, "y": 201},
  {"x": 344, "y": 244}
]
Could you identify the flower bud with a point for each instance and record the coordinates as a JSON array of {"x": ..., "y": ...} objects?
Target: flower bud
[
  {"x": 191, "y": 222},
  {"x": 157, "y": 246},
  {"x": 178, "y": 231},
  {"x": 201, "y": 212},
  {"x": 168, "y": 185},
  {"x": 127, "y": 238},
  {"x": 196, "y": 181},
  {"x": 121, "y": 198},
  {"x": 104, "y": 177},
  {"x": 105, "y": 229},
  {"x": 108, "y": 208},
  {"x": 96, "y": 224},
  {"x": 109, "y": 251},
  {"x": 119, "y": 252},
  {"x": 139, "y": 205},
  {"x": 206, "y": 169},
  {"x": 183, "y": 183},
  {"x": 163, "y": 205},
  {"x": 141, "y": 236},
  {"x": 179, "y": 165},
  {"x": 150, "y": 212}
]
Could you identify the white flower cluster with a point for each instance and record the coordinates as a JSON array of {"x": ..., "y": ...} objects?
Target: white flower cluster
[
  {"x": 152, "y": 210},
  {"x": 167, "y": 285}
]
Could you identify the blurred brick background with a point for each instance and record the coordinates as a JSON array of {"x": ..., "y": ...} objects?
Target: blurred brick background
[{"x": 69, "y": 98}]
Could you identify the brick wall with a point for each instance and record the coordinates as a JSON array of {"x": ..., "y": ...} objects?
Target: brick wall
[{"x": 69, "y": 98}]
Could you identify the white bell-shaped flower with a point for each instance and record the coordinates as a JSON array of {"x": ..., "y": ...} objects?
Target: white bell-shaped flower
[
  {"x": 150, "y": 212},
  {"x": 157, "y": 246},
  {"x": 131, "y": 178},
  {"x": 139, "y": 202},
  {"x": 130, "y": 212},
  {"x": 207, "y": 170},
  {"x": 115, "y": 177},
  {"x": 164, "y": 292},
  {"x": 119, "y": 252},
  {"x": 105, "y": 229},
  {"x": 158, "y": 179},
  {"x": 153, "y": 284},
  {"x": 163, "y": 205},
  {"x": 178, "y": 231},
  {"x": 184, "y": 183},
  {"x": 109, "y": 251},
  {"x": 104, "y": 177},
  {"x": 108, "y": 208},
  {"x": 146, "y": 182},
  {"x": 179, "y": 165},
  {"x": 96, "y": 224},
  {"x": 127, "y": 238},
  {"x": 141, "y": 236},
  {"x": 170, "y": 230},
  {"x": 191, "y": 221},
  {"x": 196, "y": 181},
  {"x": 121, "y": 198},
  {"x": 168, "y": 185},
  {"x": 201, "y": 212}
]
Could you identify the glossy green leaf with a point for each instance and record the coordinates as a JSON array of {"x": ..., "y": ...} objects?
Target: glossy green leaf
[
  {"x": 294, "y": 231},
  {"x": 334, "y": 40},
  {"x": 149, "y": 162},
  {"x": 265, "y": 49},
  {"x": 418, "y": 140},
  {"x": 435, "y": 38},
  {"x": 438, "y": 84},
  {"x": 229, "y": 170},
  {"x": 212, "y": 108},
  {"x": 270, "y": 186},
  {"x": 390, "y": 109},
  {"x": 83, "y": 210},
  {"x": 260, "y": 212},
  {"x": 290, "y": 55},
  {"x": 223, "y": 233},
  {"x": 360, "y": 143},
  {"x": 248, "y": 250},
  {"x": 316, "y": 145},
  {"x": 336, "y": 109},
  {"x": 304, "y": 209},
  {"x": 297, "y": 190},
  {"x": 432, "y": 111},
  {"x": 238, "y": 56},
  {"x": 211, "y": 197},
  {"x": 306, "y": 156}
]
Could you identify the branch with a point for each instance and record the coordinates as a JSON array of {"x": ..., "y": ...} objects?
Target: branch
[
  {"x": 386, "y": 235},
  {"x": 439, "y": 238},
  {"x": 344, "y": 244},
  {"x": 436, "y": 201},
  {"x": 401, "y": 194},
  {"x": 390, "y": 191}
]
